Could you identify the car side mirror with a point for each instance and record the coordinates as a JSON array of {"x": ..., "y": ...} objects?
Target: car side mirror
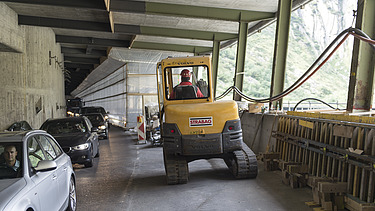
[
  {"x": 46, "y": 165},
  {"x": 94, "y": 129}
]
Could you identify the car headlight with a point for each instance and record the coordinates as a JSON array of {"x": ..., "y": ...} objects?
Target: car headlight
[
  {"x": 102, "y": 127},
  {"x": 105, "y": 117},
  {"x": 81, "y": 146}
]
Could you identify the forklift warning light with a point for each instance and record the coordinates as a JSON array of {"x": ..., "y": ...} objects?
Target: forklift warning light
[{"x": 200, "y": 121}]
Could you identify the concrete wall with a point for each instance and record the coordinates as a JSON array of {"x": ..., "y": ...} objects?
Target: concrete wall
[
  {"x": 32, "y": 89},
  {"x": 250, "y": 122}
]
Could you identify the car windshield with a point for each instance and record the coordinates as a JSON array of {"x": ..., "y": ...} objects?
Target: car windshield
[
  {"x": 95, "y": 119},
  {"x": 10, "y": 160},
  {"x": 57, "y": 127}
]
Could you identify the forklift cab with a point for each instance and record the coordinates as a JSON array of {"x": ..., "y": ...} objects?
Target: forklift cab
[
  {"x": 169, "y": 77},
  {"x": 195, "y": 87}
]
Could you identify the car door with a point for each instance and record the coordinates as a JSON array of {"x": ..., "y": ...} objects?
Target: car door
[
  {"x": 45, "y": 183},
  {"x": 53, "y": 152}
]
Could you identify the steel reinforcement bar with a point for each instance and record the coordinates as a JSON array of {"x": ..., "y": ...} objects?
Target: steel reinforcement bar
[{"x": 331, "y": 148}]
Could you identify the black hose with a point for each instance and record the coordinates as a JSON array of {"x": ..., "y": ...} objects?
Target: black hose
[
  {"x": 296, "y": 84},
  {"x": 313, "y": 99},
  {"x": 360, "y": 32},
  {"x": 265, "y": 100}
]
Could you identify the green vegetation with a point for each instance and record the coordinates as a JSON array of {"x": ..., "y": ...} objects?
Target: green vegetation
[{"x": 310, "y": 33}]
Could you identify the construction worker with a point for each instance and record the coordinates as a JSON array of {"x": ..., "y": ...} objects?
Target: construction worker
[{"x": 186, "y": 90}]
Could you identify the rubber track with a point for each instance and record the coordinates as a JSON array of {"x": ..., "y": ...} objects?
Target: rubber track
[
  {"x": 247, "y": 163},
  {"x": 183, "y": 171},
  {"x": 243, "y": 164},
  {"x": 176, "y": 170}
]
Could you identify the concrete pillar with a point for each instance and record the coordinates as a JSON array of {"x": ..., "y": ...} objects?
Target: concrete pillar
[
  {"x": 240, "y": 58},
  {"x": 281, "y": 49},
  {"x": 361, "y": 83}
]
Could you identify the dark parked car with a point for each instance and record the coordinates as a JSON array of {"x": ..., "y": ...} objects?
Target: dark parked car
[
  {"x": 18, "y": 126},
  {"x": 97, "y": 120},
  {"x": 35, "y": 173},
  {"x": 77, "y": 137},
  {"x": 94, "y": 109}
]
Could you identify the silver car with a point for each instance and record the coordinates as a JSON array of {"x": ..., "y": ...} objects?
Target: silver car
[{"x": 35, "y": 173}]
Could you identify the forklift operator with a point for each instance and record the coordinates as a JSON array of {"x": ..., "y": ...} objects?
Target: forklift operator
[{"x": 186, "y": 90}]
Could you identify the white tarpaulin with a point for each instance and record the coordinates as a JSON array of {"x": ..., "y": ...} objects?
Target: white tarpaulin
[{"x": 124, "y": 83}]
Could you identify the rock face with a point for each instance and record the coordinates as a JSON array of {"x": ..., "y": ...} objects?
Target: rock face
[
  {"x": 322, "y": 20},
  {"x": 312, "y": 29}
]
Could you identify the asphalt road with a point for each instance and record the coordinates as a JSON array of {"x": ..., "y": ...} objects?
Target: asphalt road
[{"x": 128, "y": 176}]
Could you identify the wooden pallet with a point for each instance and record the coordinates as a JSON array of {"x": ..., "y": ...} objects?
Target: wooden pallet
[
  {"x": 270, "y": 160},
  {"x": 294, "y": 174},
  {"x": 354, "y": 204}
]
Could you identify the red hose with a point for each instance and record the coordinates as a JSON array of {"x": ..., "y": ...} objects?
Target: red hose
[
  {"x": 317, "y": 68},
  {"x": 362, "y": 38}
]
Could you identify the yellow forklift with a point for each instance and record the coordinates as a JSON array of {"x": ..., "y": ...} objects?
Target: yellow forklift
[{"x": 193, "y": 125}]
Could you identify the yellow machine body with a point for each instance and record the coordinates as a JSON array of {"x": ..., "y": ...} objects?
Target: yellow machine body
[
  {"x": 183, "y": 115},
  {"x": 193, "y": 125},
  {"x": 183, "y": 112}
]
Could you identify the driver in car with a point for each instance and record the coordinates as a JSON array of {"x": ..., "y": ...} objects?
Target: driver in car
[{"x": 10, "y": 160}]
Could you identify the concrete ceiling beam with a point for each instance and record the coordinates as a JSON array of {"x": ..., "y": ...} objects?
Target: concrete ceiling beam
[
  {"x": 171, "y": 47},
  {"x": 63, "y": 23},
  {"x": 188, "y": 11},
  {"x": 92, "y": 41},
  {"x": 88, "y": 4},
  {"x": 77, "y": 51}
]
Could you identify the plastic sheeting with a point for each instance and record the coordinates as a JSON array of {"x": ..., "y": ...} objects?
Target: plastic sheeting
[
  {"x": 110, "y": 93},
  {"x": 142, "y": 84},
  {"x": 135, "y": 108},
  {"x": 104, "y": 69},
  {"x": 112, "y": 81},
  {"x": 124, "y": 83},
  {"x": 141, "y": 68}
]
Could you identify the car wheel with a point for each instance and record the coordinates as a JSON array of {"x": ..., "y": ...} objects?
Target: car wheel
[
  {"x": 72, "y": 206},
  {"x": 90, "y": 163}
]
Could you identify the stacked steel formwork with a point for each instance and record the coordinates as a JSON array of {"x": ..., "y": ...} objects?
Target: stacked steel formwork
[{"x": 338, "y": 146}]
